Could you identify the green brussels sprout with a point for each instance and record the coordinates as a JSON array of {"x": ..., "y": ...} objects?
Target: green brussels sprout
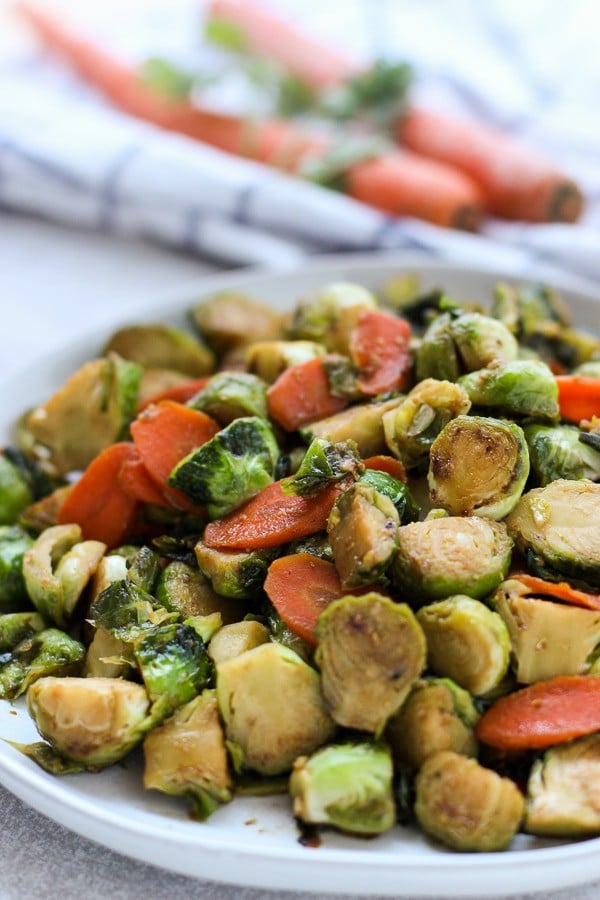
[
  {"x": 268, "y": 359},
  {"x": 16, "y": 627},
  {"x": 525, "y": 309},
  {"x": 228, "y": 320},
  {"x": 562, "y": 793},
  {"x": 330, "y": 313},
  {"x": 162, "y": 347},
  {"x": 361, "y": 423},
  {"x": 15, "y": 492},
  {"x": 558, "y": 452},
  {"x": 186, "y": 756},
  {"x": 411, "y": 428},
  {"x": 560, "y": 525},
  {"x": 398, "y": 492},
  {"x": 14, "y": 543},
  {"x": 184, "y": 589},
  {"x": 282, "y": 634},
  {"x": 234, "y": 573},
  {"x": 478, "y": 466},
  {"x": 521, "y": 388},
  {"x": 231, "y": 395},
  {"x": 127, "y": 611},
  {"x": 317, "y": 544},
  {"x": 93, "y": 721},
  {"x": 482, "y": 340},
  {"x": 437, "y": 355},
  {"x": 347, "y": 786},
  {"x": 370, "y": 651},
  {"x": 90, "y": 411},
  {"x": 57, "y": 568},
  {"x": 230, "y": 468},
  {"x": 46, "y": 652},
  {"x": 271, "y": 704},
  {"x": 467, "y": 642},
  {"x": 362, "y": 529},
  {"x": 324, "y": 462},
  {"x": 466, "y": 806},
  {"x": 450, "y": 555},
  {"x": 236, "y": 638}
]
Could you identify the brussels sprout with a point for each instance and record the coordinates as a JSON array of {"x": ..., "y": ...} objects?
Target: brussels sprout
[
  {"x": 57, "y": 568},
  {"x": 362, "y": 529},
  {"x": 482, "y": 340},
  {"x": 184, "y": 589},
  {"x": 520, "y": 388},
  {"x": 524, "y": 309},
  {"x": 437, "y": 355},
  {"x": 547, "y": 638},
  {"x": 230, "y": 468},
  {"x": 89, "y": 412},
  {"x": 46, "y": 652},
  {"x": 558, "y": 452},
  {"x": 14, "y": 543},
  {"x": 15, "y": 492},
  {"x": 411, "y": 428},
  {"x": 560, "y": 524},
  {"x": 466, "y": 806},
  {"x": 478, "y": 466},
  {"x": 330, "y": 313},
  {"x": 233, "y": 573},
  {"x": 398, "y": 492},
  {"x": 16, "y": 627},
  {"x": 162, "y": 347},
  {"x": 43, "y": 513},
  {"x": 229, "y": 320},
  {"x": 272, "y": 707},
  {"x": 268, "y": 359},
  {"x": 361, "y": 423},
  {"x": 108, "y": 656},
  {"x": 127, "y": 611},
  {"x": 450, "y": 555},
  {"x": 317, "y": 544},
  {"x": 174, "y": 665},
  {"x": 232, "y": 395},
  {"x": 186, "y": 756},
  {"x": 324, "y": 462},
  {"x": 562, "y": 790},
  {"x": 437, "y": 715},
  {"x": 143, "y": 565},
  {"x": 466, "y": 642},
  {"x": 347, "y": 786},
  {"x": 231, "y": 640},
  {"x": 589, "y": 369},
  {"x": 282, "y": 634},
  {"x": 370, "y": 652},
  {"x": 94, "y": 721},
  {"x": 154, "y": 383}
]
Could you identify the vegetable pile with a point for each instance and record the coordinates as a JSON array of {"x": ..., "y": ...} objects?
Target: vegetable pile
[{"x": 350, "y": 552}]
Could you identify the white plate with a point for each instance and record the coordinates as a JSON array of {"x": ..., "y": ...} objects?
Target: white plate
[{"x": 255, "y": 841}]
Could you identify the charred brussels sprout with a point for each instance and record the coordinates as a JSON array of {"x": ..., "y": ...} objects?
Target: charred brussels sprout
[
  {"x": 478, "y": 466},
  {"x": 232, "y": 395},
  {"x": 126, "y": 611},
  {"x": 229, "y": 320},
  {"x": 183, "y": 589},
  {"x": 47, "y": 652},
  {"x": 347, "y": 786},
  {"x": 15, "y": 627},
  {"x": 186, "y": 756},
  {"x": 162, "y": 347},
  {"x": 523, "y": 388},
  {"x": 437, "y": 355},
  {"x": 466, "y": 806},
  {"x": 93, "y": 721},
  {"x": 466, "y": 642},
  {"x": 330, "y": 313},
  {"x": 232, "y": 573},
  {"x": 396, "y": 491},
  {"x": 324, "y": 462},
  {"x": 272, "y": 707},
  {"x": 370, "y": 651},
  {"x": 15, "y": 492},
  {"x": 559, "y": 525},
  {"x": 230, "y": 468},
  {"x": 14, "y": 543},
  {"x": 558, "y": 452},
  {"x": 361, "y": 423},
  {"x": 450, "y": 555}
]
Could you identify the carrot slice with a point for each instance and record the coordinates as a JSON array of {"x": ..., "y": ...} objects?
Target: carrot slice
[
  {"x": 388, "y": 464},
  {"x": 379, "y": 345},
  {"x": 301, "y": 394},
  {"x": 546, "y": 713},
  {"x": 137, "y": 482},
  {"x": 272, "y": 518},
  {"x": 560, "y": 590},
  {"x": 578, "y": 397},
  {"x": 98, "y": 503}
]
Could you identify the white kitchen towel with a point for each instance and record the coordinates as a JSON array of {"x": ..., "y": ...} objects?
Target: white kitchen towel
[{"x": 67, "y": 155}]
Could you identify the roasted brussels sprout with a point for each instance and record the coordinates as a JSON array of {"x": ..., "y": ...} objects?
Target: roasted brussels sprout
[
  {"x": 162, "y": 347},
  {"x": 361, "y": 423},
  {"x": 14, "y": 543},
  {"x": 467, "y": 642},
  {"x": 93, "y": 721},
  {"x": 330, "y": 313},
  {"x": 231, "y": 640},
  {"x": 347, "y": 786},
  {"x": 272, "y": 707},
  {"x": 478, "y": 466},
  {"x": 450, "y": 555},
  {"x": 15, "y": 492},
  {"x": 324, "y": 462},
  {"x": 231, "y": 395},
  {"x": 234, "y": 573},
  {"x": 370, "y": 652},
  {"x": 230, "y": 468},
  {"x": 558, "y": 452},
  {"x": 184, "y": 589},
  {"x": 398, "y": 492},
  {"x": 16, "y": 627},
  {"x": 523, "y": 388},
  {"x": 560, "y": 525},
  {"x": 268, "y": 359},
  {"x": 466, "y": 806},
  {"x": 482, "y": 340},
  {"x": 228, "y": 320},
  {"x": 46, "y": 652},
  {"x": 186, "y": 756},
  {"x": 437, "y": 355},
  {"x": 127, "y": 611},
  {"x": 523, "y": 309}
]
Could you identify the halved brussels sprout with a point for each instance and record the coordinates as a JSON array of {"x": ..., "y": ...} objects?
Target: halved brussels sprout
[
  {"x": 361, "y": 423},
  {"x": 234, "y": 573},
  {"x": 467, "y": 642},
  {"x": 94, "y": 721},
  {"x": 236, "y": 638},
  {"x": 347, "y": 786},
  {"x": 558, "y": 452},
  {"x": 162, "y": 347},
  {"x": 524, "y": 387},
  {"x": 437, "y": 355},
  {"x": 43, "y": 513},
  {"x": 127, "y": 611},
  {"x": 466, "y": 806},
  {"x": 324, "y": 462},
  {"x": 330, "y": 313},
  {"x": 411, "y": 428},
  {"x": 482, "y": 340},
  {"x": 14, "y": 543},
  {"x": 272, "y": 707},
  {"x": 268, "y": 359},
  {"x": 15, "y": 492},
  {"x": 228, "y": 320},
  {"x": 232, "y": 395},
  {"x": 186, "y": 756},
  {"x": 16, "y": 627},
  {"x": 450, "y": 555},
  {"x": 398, "y": 492},
  {"x": 370, "y": 652},
  {"x": 184, "y": 589},
  {"x": 46, "y": 652},
  {"x": 560, "y": 525},
  {"x": 230, "y": 468},
  {"x": 478, "y": 466}
]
